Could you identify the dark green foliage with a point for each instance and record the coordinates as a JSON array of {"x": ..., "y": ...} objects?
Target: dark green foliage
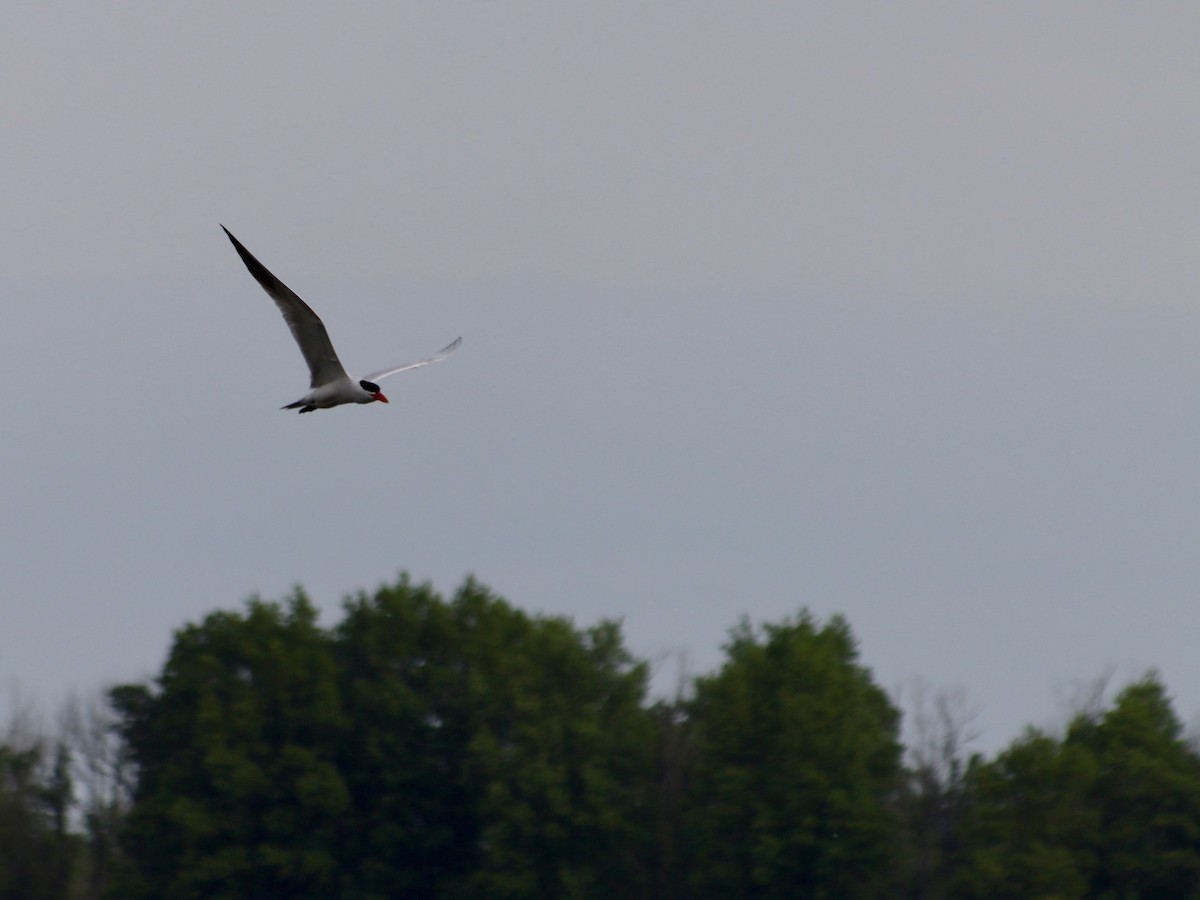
[
  {"x": 239, "y": 794},
  {"x": 37, "y": 854},
  {"x": 497, "y": 754},
  {"x": 1030, "y": 825},
  {"x": 674, "y": 746},
  {"x": 421, "y": 749},
  {"x": 1110, "y": 811},
  {"x": 1148, "y": 794},
  {"x": 797, "y": 760},
  {"x": 461, "y": 748}
]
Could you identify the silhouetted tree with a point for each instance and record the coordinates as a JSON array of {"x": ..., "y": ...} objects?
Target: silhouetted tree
[
  {"x": 931, "y": 795},
  {"x": 37, "y": 854},
  {"x": 102, "y": 780}
]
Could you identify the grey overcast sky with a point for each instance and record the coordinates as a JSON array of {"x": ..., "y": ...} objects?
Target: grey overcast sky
[{"x": 889, "y": 310}]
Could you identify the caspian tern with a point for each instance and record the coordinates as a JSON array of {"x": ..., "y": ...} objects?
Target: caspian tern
[{"x": 331, "y": 386}]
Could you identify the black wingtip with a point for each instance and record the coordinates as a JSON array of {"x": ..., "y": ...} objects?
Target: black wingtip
[{"x": 248, "y": 258}]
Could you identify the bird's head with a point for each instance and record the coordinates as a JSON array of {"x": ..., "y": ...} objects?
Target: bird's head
[{"x": 373, "y": 389}]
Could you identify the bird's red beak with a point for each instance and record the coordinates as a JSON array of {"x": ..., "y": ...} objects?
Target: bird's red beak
[{"x": 378, "y": 395}]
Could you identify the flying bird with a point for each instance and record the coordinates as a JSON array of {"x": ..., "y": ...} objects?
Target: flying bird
[{"x": 330, "y": 384}]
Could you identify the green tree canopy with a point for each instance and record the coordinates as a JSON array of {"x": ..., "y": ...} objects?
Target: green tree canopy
[
  {"x": 796, "y": 762},
  {"x": 420, "y": 748},
  {"x": 1029, "y": 825},
  {"x": 497, "y": 754},
  {"x": 239, "y": 793},
  {"x": 1112, "y": 810}
]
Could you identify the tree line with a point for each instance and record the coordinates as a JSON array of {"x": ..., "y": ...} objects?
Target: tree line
[{"x": 425, "y": 747}]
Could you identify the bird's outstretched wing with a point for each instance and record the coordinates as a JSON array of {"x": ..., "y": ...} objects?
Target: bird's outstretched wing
[
  {"x": 307, "y": 327},
  {"x": 437, "y": 357}
]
